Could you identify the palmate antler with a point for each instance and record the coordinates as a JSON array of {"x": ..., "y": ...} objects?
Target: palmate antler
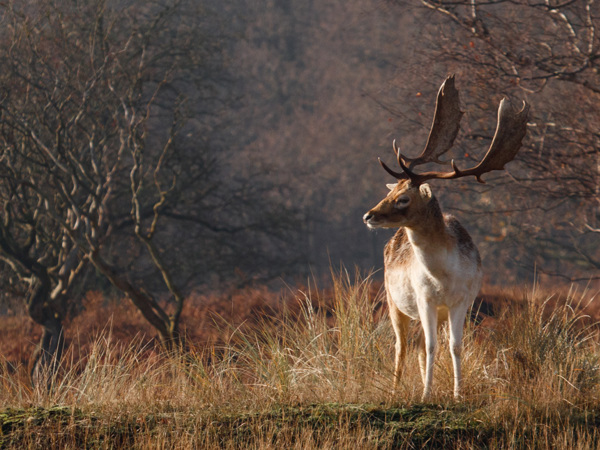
[{"x": 510, "y": 131}]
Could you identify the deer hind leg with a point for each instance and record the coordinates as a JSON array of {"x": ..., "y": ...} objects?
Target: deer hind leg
[
  {"x": 400, "y": 323},
  {"x": 457, "y": 322}
]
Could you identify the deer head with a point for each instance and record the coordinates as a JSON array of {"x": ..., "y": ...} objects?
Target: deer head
[
  {"x": 404, "y": 206},
  {"x": 408, "y": 197}
]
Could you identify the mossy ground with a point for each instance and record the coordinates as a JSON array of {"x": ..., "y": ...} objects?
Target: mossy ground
[{"x": 329, "y": 425}]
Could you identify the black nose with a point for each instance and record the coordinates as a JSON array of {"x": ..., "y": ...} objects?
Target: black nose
[{"x": 367, "y": 217}]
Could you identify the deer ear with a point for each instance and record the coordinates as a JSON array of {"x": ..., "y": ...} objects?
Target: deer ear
[
  {"x": 425, "y": 191},
  {"x": 391, "y": 186}
]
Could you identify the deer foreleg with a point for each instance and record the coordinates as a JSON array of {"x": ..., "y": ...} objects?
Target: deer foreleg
[
  {"x": 441, "y": 319},
  {"x": 457, "y": 322},
  {"x": 429, "y": 324}
]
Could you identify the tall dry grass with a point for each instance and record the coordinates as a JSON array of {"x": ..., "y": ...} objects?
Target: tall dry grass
[{"x": 535, "y": 363}]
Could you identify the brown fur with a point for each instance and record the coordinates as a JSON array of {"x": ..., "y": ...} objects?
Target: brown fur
[
  {"x": 398, "y": 249},
  {"x": 465, "y": 244}
]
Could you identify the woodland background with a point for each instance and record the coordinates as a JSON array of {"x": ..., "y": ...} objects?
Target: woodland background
[{"x": 156, "y": 151}]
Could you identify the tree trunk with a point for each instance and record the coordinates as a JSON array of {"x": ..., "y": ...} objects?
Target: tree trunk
[
  {"x": 47, "y": 355},
  {"x": 166, "y": 326},
  {"x": 172, "y": 339}
]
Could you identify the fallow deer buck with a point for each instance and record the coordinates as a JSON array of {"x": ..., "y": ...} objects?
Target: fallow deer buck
[{"x": 432, "y": 268}]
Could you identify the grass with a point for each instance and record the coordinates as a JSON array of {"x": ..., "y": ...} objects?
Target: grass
[
  {"x": 301, "y": 426},
  {"x": 316, "y": 373}
]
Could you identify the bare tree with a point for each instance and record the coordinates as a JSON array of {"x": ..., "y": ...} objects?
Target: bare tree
[
  {"x": 37, "y": 249},
  {"x": 109, "y": 155}
]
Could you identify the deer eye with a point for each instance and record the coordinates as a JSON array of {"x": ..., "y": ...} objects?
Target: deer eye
[{"x": 402, "y": 202}]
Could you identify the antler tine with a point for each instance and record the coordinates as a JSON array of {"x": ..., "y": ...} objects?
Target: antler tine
[
  {"x": 445, "y": 125},
  {"x": 395, "y": 148},
  {"x": 398, "y": 175},
  {"x": 510, "y": 131},
  {"x": 399, "y": 157}
]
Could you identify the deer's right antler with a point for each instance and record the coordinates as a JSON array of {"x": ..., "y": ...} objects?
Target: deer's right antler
[
  {"x": 445, "y": 125},
  {"x": 510, "y": 131},
  {"x": 444, "y": 128}
]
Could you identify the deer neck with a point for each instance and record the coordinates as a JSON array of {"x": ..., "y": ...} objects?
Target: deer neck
[{"x": 429, "y": 239}]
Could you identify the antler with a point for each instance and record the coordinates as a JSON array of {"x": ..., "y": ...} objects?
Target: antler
[
  {"x": 444, "y": 128},
  {"x": 510, "y": 131},
  {"x": 445, "y": 125}
]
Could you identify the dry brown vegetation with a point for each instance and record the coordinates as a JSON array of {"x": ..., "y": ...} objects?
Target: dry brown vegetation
[{"x": 309, "y": 370}]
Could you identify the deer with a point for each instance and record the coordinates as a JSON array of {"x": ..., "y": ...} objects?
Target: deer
[{"x": 432, "y": 268}]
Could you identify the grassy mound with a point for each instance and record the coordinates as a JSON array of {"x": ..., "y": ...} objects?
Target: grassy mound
[{"x": 307, "y": 426}]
